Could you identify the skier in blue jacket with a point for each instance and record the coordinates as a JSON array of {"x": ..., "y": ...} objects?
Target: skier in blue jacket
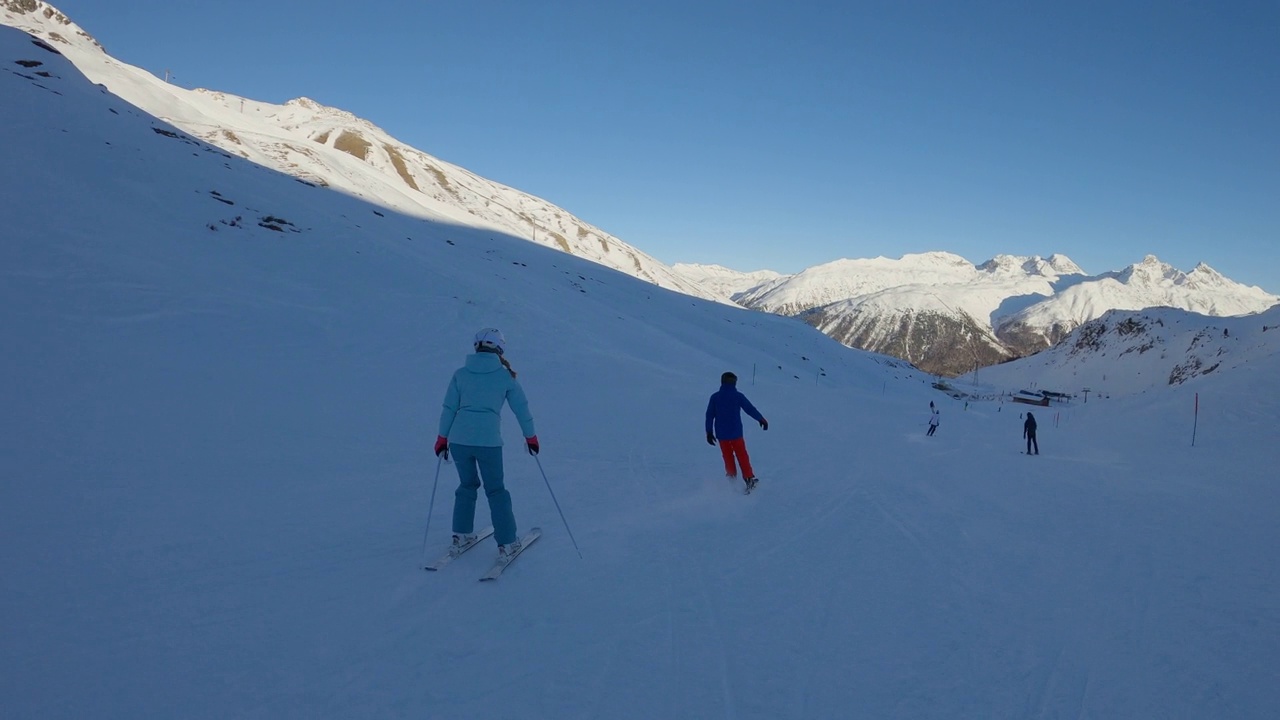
[
  {"x": 724, "y": 421},
  {"x": 470, "y": 425}
]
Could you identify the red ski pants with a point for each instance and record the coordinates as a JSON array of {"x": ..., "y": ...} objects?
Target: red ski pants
[{"x": 736, "y": 447}]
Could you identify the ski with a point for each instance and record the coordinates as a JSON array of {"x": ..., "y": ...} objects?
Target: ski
[
  {"x": 502, "y": 564},
  {"x": 453, "y": 553}
]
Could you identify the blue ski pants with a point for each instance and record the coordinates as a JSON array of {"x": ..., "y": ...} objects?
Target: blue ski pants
[{"x": 474, "y": 463}]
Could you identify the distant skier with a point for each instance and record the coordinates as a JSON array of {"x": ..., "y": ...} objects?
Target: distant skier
[
  {"x": 472, "y": 414},
  {"x": 933, "y": 420},
  {"x": 1029, "y": 432},
  {"x": 724, "y": 421}
]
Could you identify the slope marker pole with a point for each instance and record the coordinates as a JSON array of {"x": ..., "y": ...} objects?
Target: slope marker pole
[{"x": 1196, "y": 422}]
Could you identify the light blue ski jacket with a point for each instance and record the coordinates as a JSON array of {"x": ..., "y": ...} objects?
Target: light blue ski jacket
[{"x": 472, "y": 412}]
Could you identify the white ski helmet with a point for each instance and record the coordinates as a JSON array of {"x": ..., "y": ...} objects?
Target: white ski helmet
[{"x": 491, "y": 338}]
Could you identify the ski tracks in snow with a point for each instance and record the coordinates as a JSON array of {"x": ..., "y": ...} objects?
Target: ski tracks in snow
[
  {"x": 690, "y": 609},
  {"x": 1060, "y": 681},
  {"x": 946, "y": 558}
]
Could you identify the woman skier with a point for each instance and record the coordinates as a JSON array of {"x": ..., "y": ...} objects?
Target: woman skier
[{"x": 470, "y": 424}]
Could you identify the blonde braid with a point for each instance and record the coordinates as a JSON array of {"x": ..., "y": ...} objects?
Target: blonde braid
[{"x": 506, "y": 365}]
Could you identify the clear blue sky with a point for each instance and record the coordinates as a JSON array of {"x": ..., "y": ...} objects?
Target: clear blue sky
[{"x": 787, "y": 134}]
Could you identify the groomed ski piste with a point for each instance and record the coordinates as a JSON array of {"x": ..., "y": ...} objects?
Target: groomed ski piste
[{"x": 216, "y": 435}]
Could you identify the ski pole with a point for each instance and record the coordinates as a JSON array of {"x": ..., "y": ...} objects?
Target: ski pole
[
  {"x": 557, "y": 502},
  {"x": 431, "y": 508}
]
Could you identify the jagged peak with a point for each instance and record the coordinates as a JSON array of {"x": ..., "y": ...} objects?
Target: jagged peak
[
  {"x": 1151, "y": 271},
  {"x": 1204, "y": 277},
  {"x": 1065, "y": 265},
  {"x": 1010, "y": 264},
  {"x": 1202, "y": 268},
  {"x": 1056, "y": 264}
]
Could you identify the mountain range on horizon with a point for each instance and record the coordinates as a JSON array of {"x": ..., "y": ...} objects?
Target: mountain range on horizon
[
  {"x": 947, "y": 315},
  {"x": 936, "y": 310}
]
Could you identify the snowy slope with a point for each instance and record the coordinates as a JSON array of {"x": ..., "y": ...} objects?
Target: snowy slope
[
  {"x": 220, "y": 393},
  {"x": 332, "y": 147}
]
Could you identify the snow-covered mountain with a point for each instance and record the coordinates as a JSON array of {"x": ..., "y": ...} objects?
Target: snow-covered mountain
[
  {"x": 1055, "y": 265},
  {"x": 331, "y": 147},
  {"x": 948, "y": 315},
  {"x": 913, "y": 323},
  {"x": 846, "y": 279},
  {"x": 1148, "y": 284},
  {"x": 1127, "y": 351},
  {"x": 932, "y": 309},
  {"x": 220, "y": 389},
  {"x": 723, "y": 281}
]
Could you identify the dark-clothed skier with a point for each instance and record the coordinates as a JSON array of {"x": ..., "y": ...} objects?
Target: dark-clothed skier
[
  {"x": 1029, "y": 432},
  {"x": 724, "y": 421}
]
